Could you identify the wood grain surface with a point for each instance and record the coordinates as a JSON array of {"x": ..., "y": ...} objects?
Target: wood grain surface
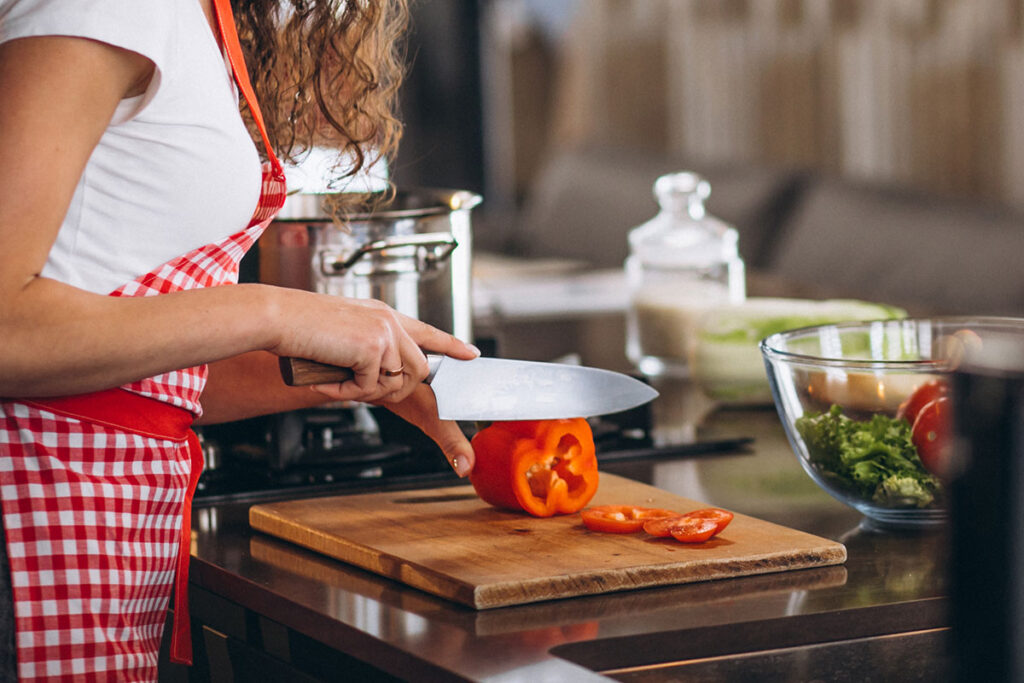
[{"x": 448, "y": 542}]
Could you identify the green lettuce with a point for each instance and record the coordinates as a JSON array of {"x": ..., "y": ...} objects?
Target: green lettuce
[{"x": 876, "y": 458}]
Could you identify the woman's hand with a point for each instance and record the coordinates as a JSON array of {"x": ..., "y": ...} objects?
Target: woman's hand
[
  {"x": 420, "y": 409},
  {"x": 384, "y": 348}
]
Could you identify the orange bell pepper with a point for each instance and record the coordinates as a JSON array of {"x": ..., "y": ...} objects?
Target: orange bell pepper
[{"x": 544, "y": 467}]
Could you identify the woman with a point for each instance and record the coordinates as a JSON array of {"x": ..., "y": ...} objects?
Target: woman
[{"x": 130, "y": 187}]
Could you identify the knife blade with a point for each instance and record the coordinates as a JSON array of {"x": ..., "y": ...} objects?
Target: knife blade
[{"x": 488, "y": 389}]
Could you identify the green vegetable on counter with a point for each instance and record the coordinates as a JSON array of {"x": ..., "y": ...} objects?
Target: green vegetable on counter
[{"x": 875, "y": 458}]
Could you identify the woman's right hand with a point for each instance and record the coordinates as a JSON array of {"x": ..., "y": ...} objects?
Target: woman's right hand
[{"x": 384, "y": 348}]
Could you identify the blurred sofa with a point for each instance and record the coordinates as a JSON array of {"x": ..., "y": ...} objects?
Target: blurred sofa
[{"x": 800, "y": 234}]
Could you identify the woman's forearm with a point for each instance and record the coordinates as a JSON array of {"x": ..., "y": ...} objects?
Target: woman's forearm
[{"x": 61, "y": 340}]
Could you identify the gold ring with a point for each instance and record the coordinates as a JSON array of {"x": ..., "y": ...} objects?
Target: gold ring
[{"x": 392, "y": 373}]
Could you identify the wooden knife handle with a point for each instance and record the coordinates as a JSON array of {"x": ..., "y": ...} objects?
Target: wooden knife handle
[{"x": 299, "y": 372}]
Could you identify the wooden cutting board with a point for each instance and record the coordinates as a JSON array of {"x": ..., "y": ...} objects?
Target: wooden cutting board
[{"x": 448, "y": 542}]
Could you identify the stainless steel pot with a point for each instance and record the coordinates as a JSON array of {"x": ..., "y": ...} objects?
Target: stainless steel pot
[{"x": 412, "y": 252}]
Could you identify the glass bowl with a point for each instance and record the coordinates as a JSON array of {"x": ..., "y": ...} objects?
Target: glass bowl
[{"x": 839, "y": 390}]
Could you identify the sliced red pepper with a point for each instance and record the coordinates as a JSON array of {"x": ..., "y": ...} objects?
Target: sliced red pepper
[
  {"x": 663, "y": 527},
  {"x": 693, "y": 529},
  {"x": 544, "y": 467},
  {"x": 621, "y": 519},
  {"x": 720, "y": 517}
]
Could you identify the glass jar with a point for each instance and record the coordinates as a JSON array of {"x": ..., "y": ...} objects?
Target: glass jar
[{"x": 681, "y": 262}]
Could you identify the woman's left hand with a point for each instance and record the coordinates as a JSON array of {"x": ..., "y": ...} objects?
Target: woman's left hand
[{"x": 420, "y": 409}]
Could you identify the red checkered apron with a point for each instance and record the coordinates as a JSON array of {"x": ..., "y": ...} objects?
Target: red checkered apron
[{"x": 96, "y": 489}]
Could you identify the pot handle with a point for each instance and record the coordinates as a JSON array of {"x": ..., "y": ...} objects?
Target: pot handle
[{"x": 432, "y": 248}]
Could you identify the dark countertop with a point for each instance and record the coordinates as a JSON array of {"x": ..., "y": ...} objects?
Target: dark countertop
[{"x": 891, "y": 582}]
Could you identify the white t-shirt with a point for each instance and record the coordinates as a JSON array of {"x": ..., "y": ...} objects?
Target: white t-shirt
[{"x": 175, "y": 169}]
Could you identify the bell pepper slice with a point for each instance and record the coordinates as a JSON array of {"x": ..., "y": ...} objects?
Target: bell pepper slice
[
  {"x": 693, "y": 529},
  {"x": 543, "y": 467},
  {"x": 622, "y": 519},
  {"x": 663, "y": 527}
]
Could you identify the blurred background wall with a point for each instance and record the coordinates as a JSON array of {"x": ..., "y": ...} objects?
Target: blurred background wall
[
  {"x": 863, "y": 148},
  {"x": 924, "y": 93}
]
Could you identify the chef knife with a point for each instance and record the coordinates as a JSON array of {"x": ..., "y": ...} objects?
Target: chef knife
[{"x": 488, "y": 389}]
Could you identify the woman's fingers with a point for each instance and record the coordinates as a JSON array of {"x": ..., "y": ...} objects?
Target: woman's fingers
[
  {"x": 403, "y": 364},
  {"x": 432, "y": 339},
  {"x": 420, "y": 409},
  {"x": 384, "y": 348},
  {"x": 449, "y": 345}
]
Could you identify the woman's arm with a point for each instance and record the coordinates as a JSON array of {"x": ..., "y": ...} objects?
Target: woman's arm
[{"x": 58, "y": 96}]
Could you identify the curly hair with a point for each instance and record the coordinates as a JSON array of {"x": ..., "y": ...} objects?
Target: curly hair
[{"x": 327, "y": 73}]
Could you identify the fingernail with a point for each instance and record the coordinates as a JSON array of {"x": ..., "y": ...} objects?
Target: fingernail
[
  {"x": 460, "y": 466},
  {"x": 474, "y": 349}
]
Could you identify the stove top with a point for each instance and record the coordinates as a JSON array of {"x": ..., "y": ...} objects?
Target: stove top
[{"x": 321, "y": 451}]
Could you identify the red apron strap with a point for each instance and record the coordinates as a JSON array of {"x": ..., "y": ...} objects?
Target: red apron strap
[
  {"x": 181, "y": 634},
  {"x": 123, "y": 410},
  {"x": 229, "y": 34}
]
